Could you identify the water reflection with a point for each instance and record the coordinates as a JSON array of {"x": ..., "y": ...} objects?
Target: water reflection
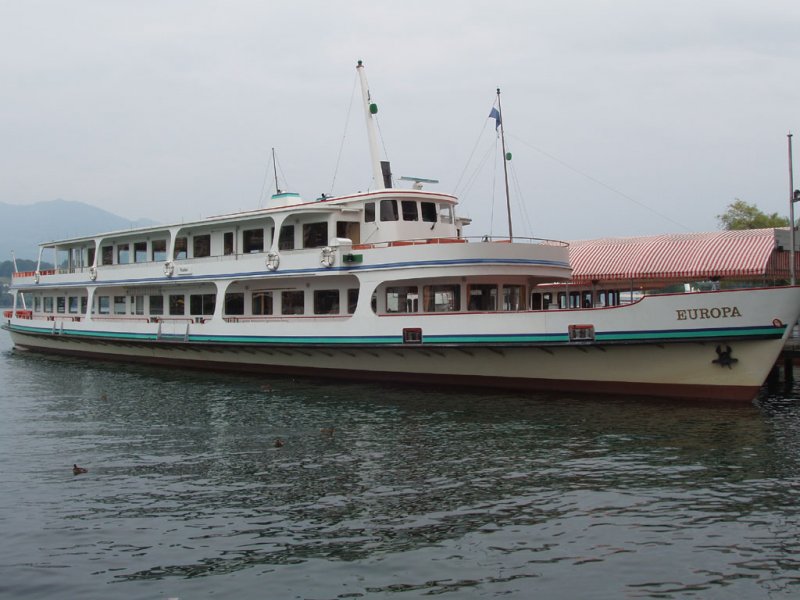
[{"x": 421, "y": 491}]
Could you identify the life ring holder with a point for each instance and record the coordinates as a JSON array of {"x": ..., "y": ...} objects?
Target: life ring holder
[
  {"x": 328, "y": 257},
  {"x": 93, "y": 273},
  {"x": 273, "y": 261},
  {"x": 169, "y": 268}
]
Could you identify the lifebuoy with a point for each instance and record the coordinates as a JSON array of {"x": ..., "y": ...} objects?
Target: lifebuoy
[
  {"x": 328, "y": 257},
  {"x": 169, "y": 268},
  {"x": 273, "y": 261},
  {"x": 92, "y": 273}
]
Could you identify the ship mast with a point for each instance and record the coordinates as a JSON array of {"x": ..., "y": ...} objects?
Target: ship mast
[
  {"x": 370, "y": 109},
  {"x": 505, "y": 166}
]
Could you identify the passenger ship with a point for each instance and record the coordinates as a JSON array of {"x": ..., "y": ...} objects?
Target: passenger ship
[{"x": 385, "y": 285}]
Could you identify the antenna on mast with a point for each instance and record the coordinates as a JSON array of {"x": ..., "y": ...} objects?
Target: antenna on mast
[{"x": 275, "y": 170}]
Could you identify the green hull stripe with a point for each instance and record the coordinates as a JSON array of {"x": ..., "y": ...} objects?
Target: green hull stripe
[{"x": 649, "y": 336}]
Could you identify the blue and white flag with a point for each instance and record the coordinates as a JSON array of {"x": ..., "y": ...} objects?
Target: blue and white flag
[{"x": 495, "y": 114}]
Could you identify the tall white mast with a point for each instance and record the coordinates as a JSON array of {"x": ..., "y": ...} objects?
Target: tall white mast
[{"x": 370, "y": 109}]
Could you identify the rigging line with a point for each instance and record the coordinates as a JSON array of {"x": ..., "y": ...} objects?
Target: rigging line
[
  {"x": 494, "y": 186},
  {"x": 481, "y": 163},
  {"x": 344, "y": 134},
  {"x": 469, "y": 160},
  {"x": 600, "y": 183},
  {"x": 521, "y": 201},
  {"x": 286, "y": 181}
]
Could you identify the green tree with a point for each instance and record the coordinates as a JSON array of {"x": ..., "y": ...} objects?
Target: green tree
[{"x": 741, "y": 215}]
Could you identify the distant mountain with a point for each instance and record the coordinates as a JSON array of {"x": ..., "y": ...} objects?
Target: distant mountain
[{"x": 23, "y": 227}]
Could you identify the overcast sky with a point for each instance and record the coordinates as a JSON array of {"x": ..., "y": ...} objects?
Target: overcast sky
[{"x": 623, "y": 117}]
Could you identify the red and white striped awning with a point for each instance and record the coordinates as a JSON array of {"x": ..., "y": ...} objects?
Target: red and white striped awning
[{"x": 687, "y": 256}]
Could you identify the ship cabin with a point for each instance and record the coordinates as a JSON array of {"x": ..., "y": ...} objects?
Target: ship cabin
[{"x": 277, "y": 262}]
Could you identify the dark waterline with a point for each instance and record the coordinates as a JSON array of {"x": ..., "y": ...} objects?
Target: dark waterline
[{"x": 414, "y": 493}]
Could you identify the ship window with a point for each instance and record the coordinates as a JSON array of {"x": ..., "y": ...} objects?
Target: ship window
[
  {"x": 262, "y": 303},
  {"x": 369, "y": 212},
  {"x": 409, "y": 210},
  {"x": 61, "y": 304},
  {"x": 159, "y": 250},
  {"x": 37, "y": 304},
  {"x": 536, "y": 301},
  {"x": 352, "y": 300},
  {"x": 227, "y": 243},
  {"x": 123, "y": 254},
  {"x": 286, "y": 239},
  {"x": 90, "y": 256},
  {"x": 177, "y": 304},
  {"x": 120, "y": 305},
  {"x": 315, "y": 235},
  {"x": 103, "y": 305},
  {"x": 445, "y": 213},
  {"x": 326, "y": 302},
  {"x": 402, "y": 299},
  {"x": 574, "y": 299},
  {"x": 202, "y": 304},
  {"x": 48, "y": 304},
  {"x": 234, "y": 303},
  {"x": 513, "y": 297},
  {"x": 389, "y": 210},
  {"x": 201, "y": 246},
  {"x": 441, "y": 298},
  {"x": 181, "y": 247},
  {"x": 73, "y": 305},
  {"x": 428, "y": 212},
  {"x": 482, "y": 297},
  {"x": 156, "y": 305},
  {"x": 84, "y": 304},
  {"x": 140, "y": 252},
  {"x": 107, "y": 257},
  {"x": 252, "y": 240},
  {"x": 292, "y": 302},
  {"x": 138, "y": 304}
]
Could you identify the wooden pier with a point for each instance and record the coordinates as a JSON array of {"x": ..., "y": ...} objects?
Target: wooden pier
[{"x": 789, "y": 357}]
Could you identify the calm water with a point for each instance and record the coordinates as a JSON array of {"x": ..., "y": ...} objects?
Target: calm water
[{"x": 414, "y": 494}]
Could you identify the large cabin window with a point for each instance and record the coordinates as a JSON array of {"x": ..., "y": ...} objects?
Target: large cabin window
[
  {"x": 61, "y": 304},
  {"x": 261, "y": 303},
  {"x": 352, "y": 300},
  {"x": 409, "y": 210},
  {"x": 402, "y": 299},
  {"x": 441, "y": 298},
  {"x": 120, "y": 305},
  {"x": 140, "y": 252},
  {"x": 482, "y": 297},
  {"x": 514, "y": 297},
  {"x": 123, "y": 254},
  {"x": 137, "y": 305},
  {"x": 445, "y": 213},
  {"x": 541, "y": 301},
  {"x": 156, "y": 305},
  {"x": 293, "y": 302},
  {"x": 428, "y": 212},
  {"x": 90, "y": 256},
  {"x": 202, "y": 304},
  {"x": 181, "y": 248},
  {"x": 369, "y": 212},
  {"x": 234, "y": 303},
  {"x": 252, "y": 241},
  {"x": 326, "y": 302},
  {"x": 177, "y": 304},
  {"x": 73, "y": 305},
  {"x": 84, "y": 304},
  {"x": 350, "y": 230},
  {"x": 48, "y": 304},
  {"x": 159, "y": 251},
  {"x": 227, "y": 243},
  {"x": 389, "y": 210},
  {"x": 104, "y": 305},
  {"x": 315, "y": 235},
  {"x": 37, "y": 304},
  {"x": 107, "y": 255},
  {"x": 201, "y": 246},
  {"x": 286, "y": 239}
]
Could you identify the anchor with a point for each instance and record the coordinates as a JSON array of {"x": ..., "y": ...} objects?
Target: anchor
[{"x": 724, "y": 358}]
